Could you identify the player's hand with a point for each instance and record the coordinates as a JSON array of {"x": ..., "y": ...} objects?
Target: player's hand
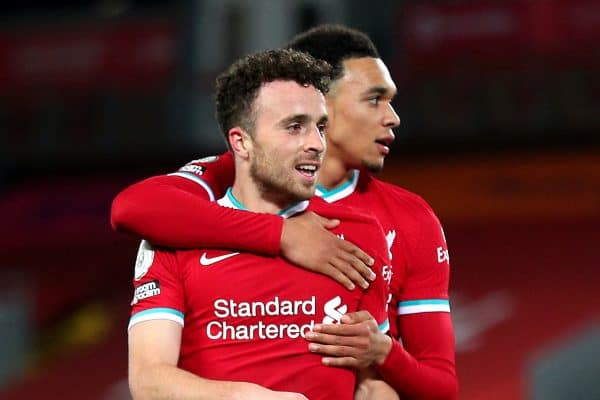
[
  {"x": 251, "y": 391},
  {"x": 356, "y": 342},
  {"x": 306, "y": 241}
]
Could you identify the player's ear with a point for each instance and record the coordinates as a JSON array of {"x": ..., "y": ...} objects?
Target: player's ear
[{"x": 239, "y": 141}]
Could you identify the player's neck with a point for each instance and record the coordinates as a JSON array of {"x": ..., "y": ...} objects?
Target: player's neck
[
  {"x": 248, "y": 196},
  {"x": 333, "y": 173}
]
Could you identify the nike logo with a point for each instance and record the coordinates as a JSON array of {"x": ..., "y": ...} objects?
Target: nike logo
[{"x": 209, "y": 261}]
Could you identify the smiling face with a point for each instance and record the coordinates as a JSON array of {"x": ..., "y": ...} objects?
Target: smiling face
[
  {"x": 361, "y": 117},
  {"x": 287, "y": 145}
]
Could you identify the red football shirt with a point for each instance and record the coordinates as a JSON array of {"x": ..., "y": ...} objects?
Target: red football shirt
[
  {"x": 419, "y": 272},
  {"x": 166, "y": 209},
  {"x": 243, "y": 314}
]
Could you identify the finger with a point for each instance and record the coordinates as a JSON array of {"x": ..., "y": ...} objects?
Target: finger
[
  {"x": 326, "y": 222},
  {"x": 335, "y": 333},
  {"x": 349, "y": 272},
  {"x": 348, "y": 362},
  {"x": 357, "y": 317},
  {"x": 333, "y": 350},
  {"x": 332, "y": 271},
  {"x": 357, "y": 265},
  {"x": 358, "y": 253}
]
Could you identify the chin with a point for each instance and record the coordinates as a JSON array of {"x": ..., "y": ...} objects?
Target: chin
[
  {"x": 303, "y": 194},
  {"x": 308, "y": 194},
  {"x": 373, "y": 167}
]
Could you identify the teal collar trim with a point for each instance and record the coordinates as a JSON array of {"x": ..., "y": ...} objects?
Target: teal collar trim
[
  {"x": 234, "y": 201},
  {"x": 338, "y": 193},
  {"x": 230, "y": 201}
]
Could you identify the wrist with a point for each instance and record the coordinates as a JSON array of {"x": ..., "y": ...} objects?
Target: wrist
[
  {"x": 386, "y": 348},
  {"x": 240, "y": 390}
]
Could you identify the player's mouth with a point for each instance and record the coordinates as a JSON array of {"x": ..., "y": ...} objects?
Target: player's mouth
[
  {"x": 383, "y": 148},
  {"x": 308, "y": 170},
  {"x": 383, "y": 144}
]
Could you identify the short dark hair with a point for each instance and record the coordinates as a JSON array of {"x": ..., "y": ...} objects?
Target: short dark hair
[
  {"x": 334, "y": 44},
  {"x": 238, "y": 86}
]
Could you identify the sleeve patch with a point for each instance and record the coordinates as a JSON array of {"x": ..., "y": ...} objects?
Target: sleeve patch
[
  {"x": 148, "y": 289},
  {"x": 208, "y": 159},
  {"x": 194, "y": 169},
  {"x": 144, "y": 259}
]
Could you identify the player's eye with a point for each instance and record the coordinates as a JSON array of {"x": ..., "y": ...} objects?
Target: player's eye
[
  {"x": 295, "y": 127},
  {"x": 374, "y": 100},
  {"x": 322, "y": 129}
]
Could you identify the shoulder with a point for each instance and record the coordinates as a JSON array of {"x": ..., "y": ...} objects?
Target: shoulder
[
  {"x": 201, "y": 165},
  {"x": 404, "y": 201},
  {"x": 344, "y": 213},
  {"x": 150, "y": 255},
  {"x": 359, "y": 226},
  {"x": 213, "y": 173}
]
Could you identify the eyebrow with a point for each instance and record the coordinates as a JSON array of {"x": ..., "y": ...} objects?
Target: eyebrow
[
  {"x": 301, "y": 118},
  {"x": 380, "y": 90}
]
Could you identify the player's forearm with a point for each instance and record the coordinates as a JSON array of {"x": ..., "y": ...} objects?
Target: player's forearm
[
  {"x": 173, "y": 212},
  {"x": 155, "y": 209},
  {"x": 424, "y": 378},
  {"x": 369, "y": 386},
  {"x": 159, "y": 382}
]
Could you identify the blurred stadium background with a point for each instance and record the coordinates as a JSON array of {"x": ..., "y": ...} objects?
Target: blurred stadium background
[{"x": 500, "y": 108}]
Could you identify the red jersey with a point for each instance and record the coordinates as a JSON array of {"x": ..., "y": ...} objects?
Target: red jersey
[
  {"x": 420, "y": 262},
  {"x": 168, "y": 210},
  {"x": 421, "y": 362},
  {"x": 214, "y": 174},
  {"x": 417, "y": 248},
  {"x": 243, "y": 314}
]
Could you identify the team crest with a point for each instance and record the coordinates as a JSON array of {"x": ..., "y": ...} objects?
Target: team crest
[
  {"x": 389, "y": 238},
  {"x": 144, "y": 259},
  {"x": 334, "y": 310}
]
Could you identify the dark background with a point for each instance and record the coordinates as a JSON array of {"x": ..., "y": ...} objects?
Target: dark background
[{"x": 500, "y": 109}]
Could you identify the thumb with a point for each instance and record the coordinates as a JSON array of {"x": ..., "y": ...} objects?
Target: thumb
[{"x": 327, "y": 223}]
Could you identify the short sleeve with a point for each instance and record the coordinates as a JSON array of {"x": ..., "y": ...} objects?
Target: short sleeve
[{"x": 158, "y": 289}]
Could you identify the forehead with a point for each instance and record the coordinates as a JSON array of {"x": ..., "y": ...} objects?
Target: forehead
[
  {"x": 281, "y": 98},
  {"x": 366, "y": 72}
]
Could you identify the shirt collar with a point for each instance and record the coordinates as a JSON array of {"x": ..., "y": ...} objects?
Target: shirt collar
[
  {"x": 230, "y": 201},
  {"x": 339, "y": 192}
]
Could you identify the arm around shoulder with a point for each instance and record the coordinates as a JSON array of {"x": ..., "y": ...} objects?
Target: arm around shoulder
[{"x": 172, "y": 211}]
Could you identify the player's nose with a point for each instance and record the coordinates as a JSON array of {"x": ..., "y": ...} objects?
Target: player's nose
[
  {"x": 391, "y": 119},
  {"x": 315, "y": 140}
]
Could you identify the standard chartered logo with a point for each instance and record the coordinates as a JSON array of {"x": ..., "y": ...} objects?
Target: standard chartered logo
[
  {"x": 229, "y": 308},
  {"x": 254, "y": 327},
  {"x": 258, "y": 329}
]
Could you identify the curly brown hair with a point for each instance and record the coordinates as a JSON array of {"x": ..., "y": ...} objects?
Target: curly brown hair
[{"x": 237, "y": 87}]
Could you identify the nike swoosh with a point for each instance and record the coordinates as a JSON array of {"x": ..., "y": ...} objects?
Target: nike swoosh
[{"x": 209, "y": 261}]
